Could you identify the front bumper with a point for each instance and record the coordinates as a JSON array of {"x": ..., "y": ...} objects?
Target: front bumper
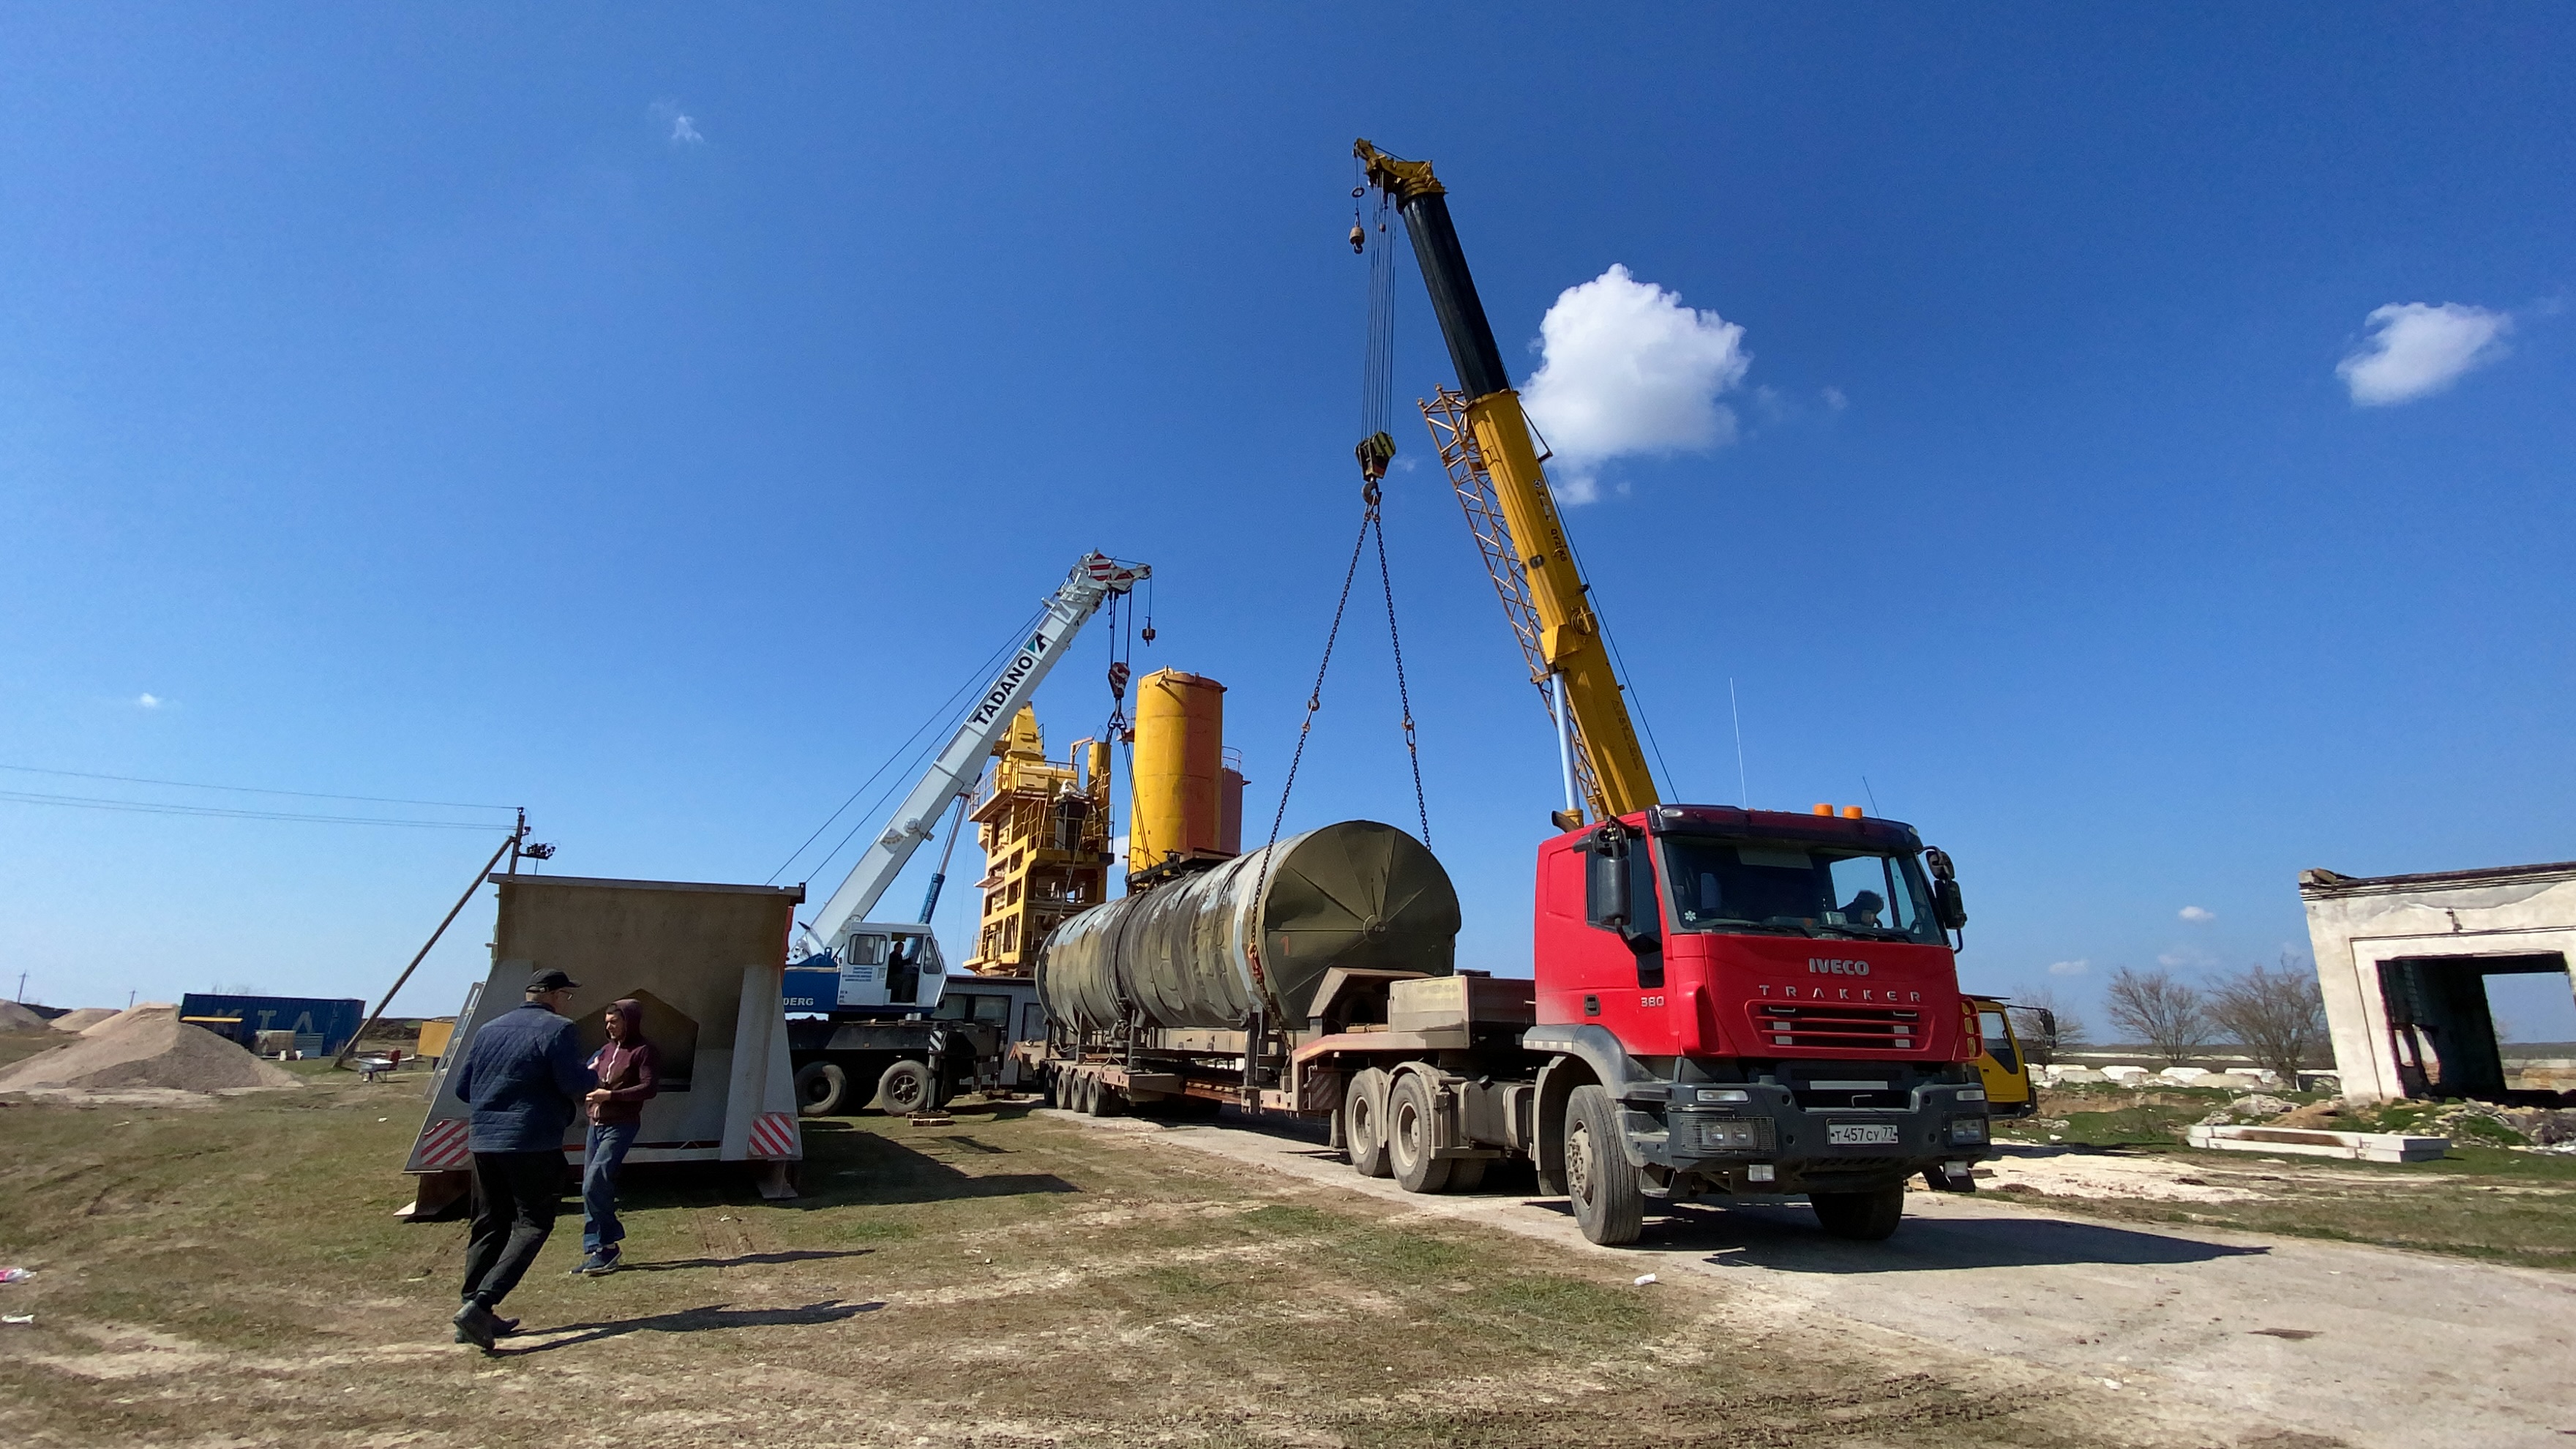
[{"x": 1768, "y": 1142}]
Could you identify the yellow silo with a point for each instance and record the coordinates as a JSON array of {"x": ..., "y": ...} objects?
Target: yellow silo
[{"x": 1176, "y": 800}]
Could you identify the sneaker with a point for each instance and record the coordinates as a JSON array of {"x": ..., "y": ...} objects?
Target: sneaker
[
  {"x": 475, "y": 1325},
  {"x": 603, "y": 1261}
]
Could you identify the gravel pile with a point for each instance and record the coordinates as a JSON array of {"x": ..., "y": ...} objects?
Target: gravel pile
[
  {"x": 14, "y": 1017},
  {"x": 83, "y": 1019},
  {"x": 145, "y": 1047}
]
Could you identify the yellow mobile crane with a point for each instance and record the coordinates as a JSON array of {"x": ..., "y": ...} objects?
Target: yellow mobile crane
[{"x": 1484, "y": 441}]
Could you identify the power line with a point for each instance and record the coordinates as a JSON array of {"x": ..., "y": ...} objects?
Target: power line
[
  {"x": 254, "y": 790},
  {"x": 145, "y": 807}
]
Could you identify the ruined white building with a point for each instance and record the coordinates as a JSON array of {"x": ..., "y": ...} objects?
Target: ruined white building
[{"x": 2403, "y": 962}]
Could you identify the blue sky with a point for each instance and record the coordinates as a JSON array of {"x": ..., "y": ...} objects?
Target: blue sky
[{"x": 647, "y": 414}]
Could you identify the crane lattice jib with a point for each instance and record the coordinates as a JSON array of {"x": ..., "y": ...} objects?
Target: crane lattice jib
[
  {"x": 1446, "y": 416},
  {"x": 1520, "y": 522}
]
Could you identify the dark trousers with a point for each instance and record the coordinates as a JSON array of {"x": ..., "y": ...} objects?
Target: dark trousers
[
  {"x": 606, "y": 1149},
  {"x": 514, "y": 1210}
]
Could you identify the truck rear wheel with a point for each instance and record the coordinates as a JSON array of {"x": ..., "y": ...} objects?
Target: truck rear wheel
[
  {"x": 1409, "y": 1134},
  {"x": 906, "y": 1088},
  {"x": 1362, "y": 1124},
  {"x": 821, "y": 1087},
  {"x": 1867, "y": 1216},
  {"x": 1608, "y": 1205}
]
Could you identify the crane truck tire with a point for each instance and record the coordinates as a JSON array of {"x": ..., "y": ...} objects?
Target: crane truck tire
[
  {"x": 1408, "y": 1136},
  {"x": 1364, "y": 1122},
  {"x": 906, "y": 1088},
  {"x": 1466, "y": 1174},
  {"x": 1867, "y": 1216},
  {"x": 821, "y": 1088},
  {"x": 1608, "y": 1204}
]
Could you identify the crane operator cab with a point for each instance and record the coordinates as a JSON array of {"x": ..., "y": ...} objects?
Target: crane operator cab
[{"x": 876, "y": 968}]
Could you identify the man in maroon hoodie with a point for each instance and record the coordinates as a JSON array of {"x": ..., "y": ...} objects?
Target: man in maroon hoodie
[{"x": 628, "y": 1075}]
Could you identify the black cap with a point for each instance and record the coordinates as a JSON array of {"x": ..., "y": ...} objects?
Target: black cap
[{"x": 550, "y": 980}]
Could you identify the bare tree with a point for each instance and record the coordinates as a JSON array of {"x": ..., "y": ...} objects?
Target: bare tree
[
  {"x": 2045, "y": 1025},
  {"x": 2166, "y": 1014},
  {"x": 2275, "y": 1013}
]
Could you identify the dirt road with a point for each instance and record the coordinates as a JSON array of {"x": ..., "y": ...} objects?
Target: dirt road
[{"x": 2366, "y": 1346}]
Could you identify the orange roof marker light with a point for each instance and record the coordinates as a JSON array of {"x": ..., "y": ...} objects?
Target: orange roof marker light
[
  {"x": 1851, "y": 812},
  {"x": 1825, "y": 810}
]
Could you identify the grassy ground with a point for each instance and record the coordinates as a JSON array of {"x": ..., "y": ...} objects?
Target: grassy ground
[
  {"x": 2479, "y": 1201},
  {"x": 233, "y": 1273}
]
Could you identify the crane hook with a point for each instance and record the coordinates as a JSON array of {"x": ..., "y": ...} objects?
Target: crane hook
[{"x": 1359, "y": 239}]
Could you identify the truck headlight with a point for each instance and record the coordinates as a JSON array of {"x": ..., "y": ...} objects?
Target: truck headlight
[
  {"x": 1967, "y": 1131},
  {"x": 1729, "y": 1134},
  {"x": 1972, "y": 1094},
  {"x": 1722, "y": 1094}
]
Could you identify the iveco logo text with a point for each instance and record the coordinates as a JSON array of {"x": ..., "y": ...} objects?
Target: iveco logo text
[
  {"x": 1010, "y": 680},
  {"x": 1819, "y": 966}
]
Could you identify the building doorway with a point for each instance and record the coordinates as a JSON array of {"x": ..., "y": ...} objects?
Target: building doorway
[{"x": 2442, "y": 1026}]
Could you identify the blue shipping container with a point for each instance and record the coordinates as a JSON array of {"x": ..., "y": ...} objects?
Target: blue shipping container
[{"x": 321, "y": 1026}]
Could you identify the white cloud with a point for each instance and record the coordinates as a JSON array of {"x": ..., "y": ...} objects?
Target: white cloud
[
  {"x": 147, "y": 701},
  {"x": 1835, "y": 400},
  {"x": 2076, "y": 967},
  {"x": 2418, "y": 350},
  {"x": 684, "y": 128},
  {"x": 2196, "y": 914},
  {"x": 1627, "y": 369}
]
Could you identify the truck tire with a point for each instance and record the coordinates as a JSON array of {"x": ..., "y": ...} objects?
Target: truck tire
[
  {"x": 1608, "y": 1205},
  {"x": 906, "y": 1088},
  {"x": 1409, "y": 1134},
  {"x": 821, "y": 1087},
  {"x": 1363, "y": 1126},
  {"x": 1101, "y": 1099},
  {"x": 1466, "y": 1174},
  {"x": 1867, "y": 1216}
]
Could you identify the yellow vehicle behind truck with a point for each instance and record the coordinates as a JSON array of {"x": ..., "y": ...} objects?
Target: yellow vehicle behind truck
[{"x": 2003, "y": 1065}]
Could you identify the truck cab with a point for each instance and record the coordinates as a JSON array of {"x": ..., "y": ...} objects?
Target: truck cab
[
  {"x": 1772, "y": 1000},
  {"x": 874, "y": 969}
]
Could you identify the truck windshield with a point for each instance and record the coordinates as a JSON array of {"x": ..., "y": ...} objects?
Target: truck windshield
[{"x": 1789, "y": 886}]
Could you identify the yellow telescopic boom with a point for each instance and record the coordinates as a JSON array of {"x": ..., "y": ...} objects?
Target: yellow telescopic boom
[{"x": 1497, "y": 471}]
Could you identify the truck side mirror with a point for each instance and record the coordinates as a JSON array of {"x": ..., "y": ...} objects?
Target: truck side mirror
[
  {"x": 1947, "y": 908},
  {"x": 1613, "y": 904}
]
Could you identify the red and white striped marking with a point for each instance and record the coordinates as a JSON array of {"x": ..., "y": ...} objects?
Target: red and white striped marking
[
  {"x": 442, "y": 1146},
  {"x": 773, "y": 1134}
]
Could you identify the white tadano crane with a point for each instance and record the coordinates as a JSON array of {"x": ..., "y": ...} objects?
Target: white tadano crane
[{"x": 884, "y": 965}]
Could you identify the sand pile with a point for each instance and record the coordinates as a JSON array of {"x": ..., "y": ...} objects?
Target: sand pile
[
  {"x": 14, "y": 1017},
  {"x": 83, "y": 1019},
  {"x": 105, "y": 1024},
  {"x": 145, "y": 1047}
]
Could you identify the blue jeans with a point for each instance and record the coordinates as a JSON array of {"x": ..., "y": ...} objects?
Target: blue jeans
[{"x": 600, "y": 1228}]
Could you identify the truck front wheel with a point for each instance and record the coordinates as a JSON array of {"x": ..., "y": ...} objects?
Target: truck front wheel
[
  {"x": 906, "y": 1088},
  {"x": 1608, "y": 1204},
  {"x": 821, "y": 1087},
  {"x": 1408, "y": 1136},
  {"x": 1867, "y": 1216},
  {"x": 1363, "y": 1104}
]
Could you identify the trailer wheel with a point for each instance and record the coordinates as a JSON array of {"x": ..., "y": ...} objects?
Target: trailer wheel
[
  {"x": 906, "y": 1088},
  {"x": 1602, "y": 1186},
  {"x": 1101, "y": 1099},
  {"x": 820, "y": 1089},
  {"x": 1409, "y": 1133},
  {"x": 1364, "y": 1122},
  {"x": 1867, "y": 1216}
]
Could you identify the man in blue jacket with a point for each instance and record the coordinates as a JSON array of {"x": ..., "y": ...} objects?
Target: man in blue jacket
[{"x": 523, "y": 1077}]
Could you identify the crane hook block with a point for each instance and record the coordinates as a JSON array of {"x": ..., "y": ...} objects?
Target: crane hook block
[
  {"x": 1359, "y": 238},
  {"x": 1374, "y": 452}
]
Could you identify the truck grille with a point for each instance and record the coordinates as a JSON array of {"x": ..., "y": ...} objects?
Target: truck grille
[{"x": 1865, "y": 1028}]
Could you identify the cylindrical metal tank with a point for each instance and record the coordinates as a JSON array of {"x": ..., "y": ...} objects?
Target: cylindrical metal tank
[
  {"x": 1202, "y": 952},
  {"x": 1180, "y": 742}
]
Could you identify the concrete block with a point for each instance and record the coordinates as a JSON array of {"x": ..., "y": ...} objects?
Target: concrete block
[{"x": 2316, "y": 1142}]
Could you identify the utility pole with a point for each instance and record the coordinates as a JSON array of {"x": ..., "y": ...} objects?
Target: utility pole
[{"x": 22, "y": 988}]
